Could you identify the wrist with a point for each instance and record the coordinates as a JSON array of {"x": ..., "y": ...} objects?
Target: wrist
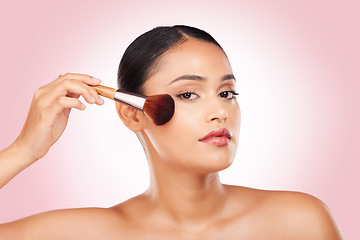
[
  {"x": 19, "y": 152},
  {"x": 13, "y": 160}
]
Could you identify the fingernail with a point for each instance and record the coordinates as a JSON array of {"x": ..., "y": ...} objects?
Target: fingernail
[
  {"x": 96, "y": 80},
  {"x": 101, "y": 100}
]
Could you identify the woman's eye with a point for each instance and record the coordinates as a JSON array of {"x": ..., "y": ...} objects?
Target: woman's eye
[
  {"x": 187, "y": 96},
  {"x": 228, "y": 94}
]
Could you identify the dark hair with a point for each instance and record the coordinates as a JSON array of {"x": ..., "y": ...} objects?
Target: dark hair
[{"x": 140, "y": 57}]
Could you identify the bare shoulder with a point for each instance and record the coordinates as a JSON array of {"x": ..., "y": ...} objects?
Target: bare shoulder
[
  {"x": 295, "y": 215},
  {"x": 82, "y": 223}
]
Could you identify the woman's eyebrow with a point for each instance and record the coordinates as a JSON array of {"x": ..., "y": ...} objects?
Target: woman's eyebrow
[
  {"x": 187, "y": 77},
  {"x": 229, "y": 77},
  {"x": 200, "y": 78}
]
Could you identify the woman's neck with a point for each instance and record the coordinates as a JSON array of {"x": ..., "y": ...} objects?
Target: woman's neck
[{"x": 185, "y": 197}]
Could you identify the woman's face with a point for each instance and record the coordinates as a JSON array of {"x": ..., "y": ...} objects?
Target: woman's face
[{"x": 203, "y": 134}]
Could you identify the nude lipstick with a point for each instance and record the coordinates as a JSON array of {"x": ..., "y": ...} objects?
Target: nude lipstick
[{"x": 218, "y": 137}]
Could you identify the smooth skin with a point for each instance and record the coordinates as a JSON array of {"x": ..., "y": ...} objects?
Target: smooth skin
[{"x": 185, "y": 199}]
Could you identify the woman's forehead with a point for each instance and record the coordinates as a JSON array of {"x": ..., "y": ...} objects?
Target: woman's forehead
[{"x": 193, "y": 57}]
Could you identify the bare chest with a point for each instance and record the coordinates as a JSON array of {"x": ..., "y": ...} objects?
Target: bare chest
[{"x": 216, "y": 231}]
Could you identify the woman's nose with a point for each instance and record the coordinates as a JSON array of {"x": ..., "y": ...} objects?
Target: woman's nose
[{"x": 216, "y": 111}]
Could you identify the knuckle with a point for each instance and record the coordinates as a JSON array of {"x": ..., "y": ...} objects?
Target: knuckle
[
  {"x": 38, "y": 93},
  {"x": 67, "y": 82},
  {"x": 66, "y": 75}
]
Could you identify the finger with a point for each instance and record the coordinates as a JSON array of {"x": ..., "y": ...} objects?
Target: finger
[
  {"x": 94, "y": 98},
  {"x": 73, "y": 95},
  {"x": 84, "y": 78},
  {"x": 67, "y": 102},
  {"x": 67, "y": 87},
  {"x": 70, "y": 87},
  {"x": 98, "y": 99}
]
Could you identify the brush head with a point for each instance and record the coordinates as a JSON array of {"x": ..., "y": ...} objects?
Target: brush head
[{"x": 160, "y": 108}]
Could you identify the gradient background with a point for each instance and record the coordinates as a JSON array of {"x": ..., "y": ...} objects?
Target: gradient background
[{"x": 297, "y": 64}]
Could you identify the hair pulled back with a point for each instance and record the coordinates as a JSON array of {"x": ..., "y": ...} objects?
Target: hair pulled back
[{"x": 140, "y": 57}]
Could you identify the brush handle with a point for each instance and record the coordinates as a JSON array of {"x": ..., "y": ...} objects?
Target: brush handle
[
  {"x": 107, "y": 92},
  {"x": 132, "y": 99}
]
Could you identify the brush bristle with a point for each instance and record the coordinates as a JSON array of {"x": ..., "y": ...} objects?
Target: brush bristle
[{"x": 160, "y": 108}]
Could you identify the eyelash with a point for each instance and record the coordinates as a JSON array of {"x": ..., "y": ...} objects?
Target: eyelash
[
  {"x": 182, "y": 95},
  {"x": 233, "y": 94}
]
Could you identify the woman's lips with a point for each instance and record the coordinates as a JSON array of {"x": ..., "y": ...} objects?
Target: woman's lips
[{"x": 218, "y": 137}]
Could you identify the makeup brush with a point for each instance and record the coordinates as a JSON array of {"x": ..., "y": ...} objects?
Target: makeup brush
[{"x": 160, "y": 108}]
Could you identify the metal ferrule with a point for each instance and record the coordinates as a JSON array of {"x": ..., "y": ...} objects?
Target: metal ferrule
[{"x": 131, "y": 99}]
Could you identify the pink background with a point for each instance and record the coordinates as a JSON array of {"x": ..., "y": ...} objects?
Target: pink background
[{"x": 298, "y": 68}]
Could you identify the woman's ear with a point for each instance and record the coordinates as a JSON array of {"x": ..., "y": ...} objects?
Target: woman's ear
[{"x": 131, "y": 117}]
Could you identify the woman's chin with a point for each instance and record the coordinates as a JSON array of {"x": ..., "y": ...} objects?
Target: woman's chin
[{"x": 212, "y": 166}]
